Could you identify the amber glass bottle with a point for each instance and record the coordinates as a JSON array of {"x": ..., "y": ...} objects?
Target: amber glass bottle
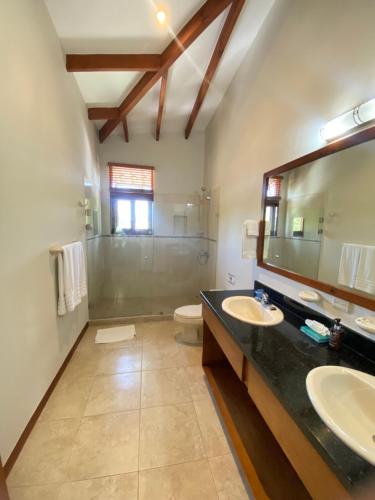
[{"x": 336, "y": 335}]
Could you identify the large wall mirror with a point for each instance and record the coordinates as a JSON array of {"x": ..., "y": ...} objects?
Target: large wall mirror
[{"x": 319, "y": 219}]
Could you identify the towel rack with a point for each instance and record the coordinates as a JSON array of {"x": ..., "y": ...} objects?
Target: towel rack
[{"x": 56, "y": 249}]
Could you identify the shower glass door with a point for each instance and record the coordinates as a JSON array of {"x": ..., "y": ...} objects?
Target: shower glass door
[{"x": 153, "y": 274}]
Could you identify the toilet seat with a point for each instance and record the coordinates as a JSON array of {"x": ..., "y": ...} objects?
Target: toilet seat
[{"x": 191, "y": 315}]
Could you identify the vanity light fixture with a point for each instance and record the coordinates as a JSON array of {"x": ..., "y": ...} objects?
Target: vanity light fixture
[{"x": 356, "y": 117}]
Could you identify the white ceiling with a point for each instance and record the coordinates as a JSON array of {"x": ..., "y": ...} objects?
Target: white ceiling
[{"x": 129, "y": 26}]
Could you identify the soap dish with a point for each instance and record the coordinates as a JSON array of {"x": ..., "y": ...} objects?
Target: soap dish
[
  {"x": 367, "y": 323},
  {"x": 309, "y": 296}
]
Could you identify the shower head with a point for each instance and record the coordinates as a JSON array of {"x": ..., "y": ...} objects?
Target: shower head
[{"x": 205, "y": 196}]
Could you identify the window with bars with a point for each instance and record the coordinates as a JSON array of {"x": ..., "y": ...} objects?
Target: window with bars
[
  {"x": 273, "y": 198},
  {"x": 132, "y": 194},
  {"x": 274, "y": 187}
]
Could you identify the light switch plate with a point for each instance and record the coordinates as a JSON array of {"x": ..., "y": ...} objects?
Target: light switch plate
[{"x": 231, "y": 279}]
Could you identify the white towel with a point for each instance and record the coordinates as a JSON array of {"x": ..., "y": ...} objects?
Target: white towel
[
  {"x": 115, "y": 334},
  {"x": 250, "y": 231},
  {"x": 267, "y": 236},
  {"x": 71, "y": 277},
  {"x": 365, "y": 277},
  {"x": 61, "y": 307},
  {"x": 349, "y": 264},
  {"x": 252, "y": 228}
]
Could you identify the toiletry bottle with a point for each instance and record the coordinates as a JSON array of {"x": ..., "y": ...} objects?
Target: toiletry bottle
[{"x": 336, "y": 335}]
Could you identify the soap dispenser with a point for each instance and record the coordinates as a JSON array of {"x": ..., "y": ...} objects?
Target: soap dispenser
[{"x": 336, "y": 335}]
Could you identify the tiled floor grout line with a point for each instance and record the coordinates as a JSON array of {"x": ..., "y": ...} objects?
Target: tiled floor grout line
[
  {"x": 60, "y": 483},
  {"x": 140, "y": 407},
  {"x": 72, "y": 448},
  {"x": 205, "y": 451},
  {"x": 68, "y": 481},
  {"x": 129, "y": 410},
  {"x": 78, "y": 428},
  {"x": 213, "y": 477},
  {"x": 88, "y": 399},
  {"x": 202, "y": 459},
  {"x": 139, "y": 421}
]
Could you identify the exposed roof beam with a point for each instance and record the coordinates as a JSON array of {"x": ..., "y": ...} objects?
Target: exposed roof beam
[
  {"x": 189, "y": 33},
  {"x": 125, "y": 127},
  {"x": 229, "y": 24},
  {"x": 113, "y": 62},
  {"x": 103, "y": 113},
  {"x": 163, "y": 89}
]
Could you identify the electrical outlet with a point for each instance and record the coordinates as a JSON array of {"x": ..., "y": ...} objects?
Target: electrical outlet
[
  {"x": 231, "y": 279},
  {"x": 341, "y": 304}
]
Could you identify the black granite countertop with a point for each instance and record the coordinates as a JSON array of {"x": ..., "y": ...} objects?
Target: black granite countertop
[{"x": 284, "y": 357}]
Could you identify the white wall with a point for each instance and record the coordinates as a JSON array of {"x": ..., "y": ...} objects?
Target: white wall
[
  {"x": 47, "y": 147},
  {"x": 302, "y": 71},
  {"x": 179, "y": 164}
]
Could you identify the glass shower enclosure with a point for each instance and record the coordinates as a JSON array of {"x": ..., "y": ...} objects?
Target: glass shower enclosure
[{"x": 153, "y": 274}]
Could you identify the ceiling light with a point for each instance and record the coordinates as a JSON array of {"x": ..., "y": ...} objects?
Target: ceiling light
[
  {"x": 340, "y": 126},
  {"x": 161, "y": 16}
]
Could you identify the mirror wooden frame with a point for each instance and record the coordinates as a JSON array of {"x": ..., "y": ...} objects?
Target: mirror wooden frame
[{"x": 360, "y": 137}]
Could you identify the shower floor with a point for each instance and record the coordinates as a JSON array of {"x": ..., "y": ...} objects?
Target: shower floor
[{"x": 139, "y": 306}]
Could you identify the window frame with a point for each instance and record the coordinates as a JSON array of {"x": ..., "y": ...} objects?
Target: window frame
[
  {"x": 274, "y": 221},
  {"x": 132, "y": 195},
  {"x": 273, "y": 202}
]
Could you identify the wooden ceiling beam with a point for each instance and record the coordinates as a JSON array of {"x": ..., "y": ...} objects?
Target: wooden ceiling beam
[
  {"x": 113, "y": 62},
  {"x": 228, "y": 27},
  {"x": 125, "y": 128},
  {"x": 163, "y": 90},
  {"x": 209, "y": 11},
  {"x": 103, "y": 113}
]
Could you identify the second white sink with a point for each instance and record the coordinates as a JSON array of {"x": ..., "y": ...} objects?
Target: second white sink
[
  {"x": 249, "y": 310},
  {"x": 345, "y": 401}
]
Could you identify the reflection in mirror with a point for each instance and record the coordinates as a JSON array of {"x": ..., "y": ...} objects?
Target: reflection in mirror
[{"x": 320, "y": 220}]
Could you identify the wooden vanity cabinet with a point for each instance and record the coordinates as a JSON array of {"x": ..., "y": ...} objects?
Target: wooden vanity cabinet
[{"x": 276, "y": 457}]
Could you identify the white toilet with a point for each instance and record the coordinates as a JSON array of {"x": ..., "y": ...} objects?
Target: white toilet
[{"x": 191, "y": 318}]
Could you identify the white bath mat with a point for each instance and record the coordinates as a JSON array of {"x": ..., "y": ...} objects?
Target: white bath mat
[{"x": 115, "y": 334}]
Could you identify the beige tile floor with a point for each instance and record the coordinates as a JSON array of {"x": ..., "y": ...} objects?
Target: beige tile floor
[{"x": 127, "y": 421}]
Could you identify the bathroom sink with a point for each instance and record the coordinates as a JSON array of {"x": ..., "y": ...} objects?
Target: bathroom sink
[
  {"x": 345, "y": 400},
  {"x": 249, "y": 310}
]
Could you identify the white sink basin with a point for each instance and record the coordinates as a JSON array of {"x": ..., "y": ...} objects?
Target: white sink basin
[
  {"x": 345, "y": 401},
  {"x": 249, "y": 310}
]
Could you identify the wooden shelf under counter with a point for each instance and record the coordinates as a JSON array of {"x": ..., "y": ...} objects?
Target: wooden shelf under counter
[{"x": 277, "y": 459}]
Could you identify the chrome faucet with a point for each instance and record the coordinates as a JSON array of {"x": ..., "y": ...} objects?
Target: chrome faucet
[{"x": 265, "y": 301}]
